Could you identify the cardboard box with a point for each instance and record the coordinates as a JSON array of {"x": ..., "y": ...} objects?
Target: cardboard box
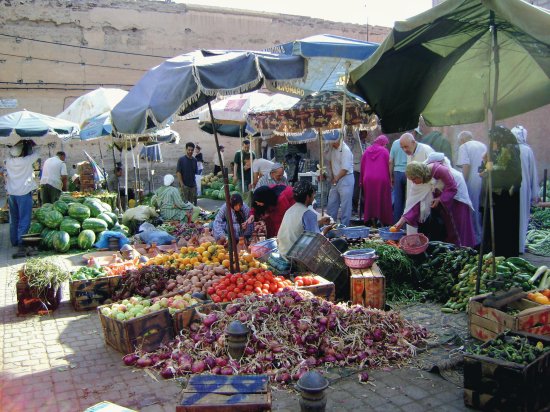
[
  {"x": 108, "y": 407},
  {"x": 485, "y": 323},
  {"x": 497, "y": 385},
  {"x": 368, "y": 287}
]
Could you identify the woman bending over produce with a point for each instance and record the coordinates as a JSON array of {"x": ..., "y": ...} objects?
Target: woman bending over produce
[
  {"x": 437, "y": 188},
  {"x": 168, "y": 199},
  {"x": 239, "y": 213},
  {"x": 270, "y": 204}
]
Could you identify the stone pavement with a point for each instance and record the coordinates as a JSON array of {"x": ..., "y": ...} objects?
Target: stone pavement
[{"x": 60, "y": 362}]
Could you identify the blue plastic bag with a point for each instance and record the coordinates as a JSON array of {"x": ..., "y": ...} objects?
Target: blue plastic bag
[
  {"x": 103, "y": 242},
  {"x": 160, "y": 237}
]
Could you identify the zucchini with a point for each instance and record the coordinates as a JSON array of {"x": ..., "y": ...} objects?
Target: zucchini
[{"x": 539, "y": 272}]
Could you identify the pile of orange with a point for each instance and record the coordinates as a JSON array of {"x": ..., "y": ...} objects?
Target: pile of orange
[
  {"x": 190, "y": 257},
  {"x": 542, "y": 297}
]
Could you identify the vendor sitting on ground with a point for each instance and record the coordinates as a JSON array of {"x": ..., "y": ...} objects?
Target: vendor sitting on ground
[
  {"x": 239, "y": 214},
  {"x": 299, "y": 217},
  {"x": 168, "y": 199}
]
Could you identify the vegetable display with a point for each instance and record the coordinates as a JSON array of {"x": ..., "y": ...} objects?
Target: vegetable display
[
  {"x": 290, "y": 333},
  {"x": 540, "y": 218},
  {"x": 538, "y": 242},
  {"x": 516, "y": 349},
  {"x": 542, "y": 297},
  {"x": 44, "y": 273},
  {"x": 85, "y": 272}
]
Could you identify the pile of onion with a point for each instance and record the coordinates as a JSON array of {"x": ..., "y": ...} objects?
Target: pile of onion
[{"x": 291, "y": 332}]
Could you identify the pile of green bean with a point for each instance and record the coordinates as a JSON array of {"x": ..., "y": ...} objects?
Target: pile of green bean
[{"x": 45, "y": 273}]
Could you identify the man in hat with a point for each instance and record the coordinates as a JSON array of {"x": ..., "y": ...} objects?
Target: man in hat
[
  {"x": 216, "y": 160},
  {"x": 54, "y": 178},
  {"x": 19, "y": 186},
  {"x": 276, "y": 176}
]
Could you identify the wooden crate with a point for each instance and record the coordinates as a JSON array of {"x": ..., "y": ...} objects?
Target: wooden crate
[
  {"x": 147, "y": 332},
  {"x": 217, "y": 393},
  {"x": 324, "y": 289},
  {"x": 485, "y": 323},
  {"x": 91, "y": 293},
  {"x": 183, "y": 318},
  {"x": 30, "y": 301},
  {"x": 496, "y": 385},
  {"x": 368, "y": 287}
]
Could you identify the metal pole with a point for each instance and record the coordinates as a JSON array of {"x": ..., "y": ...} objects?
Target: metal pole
[
  {"x": 321, "y": 179},
  {"x": 544, "y": 180},
  {"x": 234, "y": 254},
  {"x": 119, "y": 200}
]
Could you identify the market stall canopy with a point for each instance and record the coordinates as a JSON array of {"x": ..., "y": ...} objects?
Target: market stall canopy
[
  {"x": 164, "y": 135},
  {"x": 186, "y": 82},
  {"x": 318, "y": 111},
  {"x": 230, "y": 113},
  {"x": 440, "y": 64},
  {"x": 92, "y": 104},
  {"x": 329, "y": 58},
  {"x": 151, "y": 153},
  {"x": 42, "y": 129}
]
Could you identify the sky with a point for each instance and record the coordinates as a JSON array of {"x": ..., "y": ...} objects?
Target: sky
[{"x": 376, "y": 12}]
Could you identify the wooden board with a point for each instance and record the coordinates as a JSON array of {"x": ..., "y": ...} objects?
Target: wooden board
[
  {"x": 493, "y": 384},
  {"x": 147, "y": 332},
  {"x": 484, "y": 322},
  {"x": 368, "y": 287},
  {"x": 91, "y": 293},
  {"x": 218, "y": 393}
]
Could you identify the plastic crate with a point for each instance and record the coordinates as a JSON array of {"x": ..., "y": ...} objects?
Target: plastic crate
[{"x": 318, "y": 255}]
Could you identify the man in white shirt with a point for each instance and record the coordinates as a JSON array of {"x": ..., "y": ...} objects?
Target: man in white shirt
[
  {"x": 260, "y": 167},
  {"x": 216, "y": 160},
  {"x": 54, "y": 178},
  {"x": 417, "y": 152},
  {"x": 19, "y": 186},
  {"x": 470, "y": 157},
  {"x": 341, "y": 192}
]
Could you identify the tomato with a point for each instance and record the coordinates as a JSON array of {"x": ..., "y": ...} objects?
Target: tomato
[
  {"x": 225, "y": 300},
  {"x": 215, "y": 298},
  {"x": 257, "y": 284},
  {"x": 257, "y": 291},
  {"x": 273, "y": 288},
  {"x": 222, "y": 293},
  {"x": 315, "y": 281},
  {"x": 237, "y": 290},
  {"x": 260, "y": 278},
  {"x": 210, "y": 290},
  {"x": 297, "y": 278},
  {"x": 307, "y": 281},
  {"x": 280, "y": 285},
  {"x": 265, "y": 291},
  {"x": 249, "y": 288},
  {"x": 231, "y": 295},
  {"x": 299, "y": 282},
  {"x": 240, "y": 295},
  {"x": 265, "y": 286},
  {"x": 279, "y": 289}
]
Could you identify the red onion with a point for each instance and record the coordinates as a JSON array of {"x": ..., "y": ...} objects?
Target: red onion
[
  {"x": 311, "y": 350},
  {"x": 339, "y": 356},
  {"x": 249, "y": 350},
  {"x": 364, "y": 377},
  {"x": 210, "y": 319},
  {"x": 264, "y": 310},
  {"x": 144, "y": 362},
  {"x": 164, "y": 355},
  {"x": 378, "y": 335},
  {"x": 167, "y": 372},
  {"x": 194, "y": 327},
  {"x": 226, "y": 370},
  {"x": 393, "y": 339},
  {"x": 322, "y": 320},
  {"x": 221, "y": 362},
  {"x": 298, "y": 340},
  {"x": 231, "y": 309},
  {"x": 130, "y": 359},
  {"x": 198, "y": 366},
  {"x": 210, "y": 362},
  {"x": 243, "y": 317},
  {"x": 329, "y": 358},
  {"x": 216, "y": 370},
  {"x": 302, "y": 325}
]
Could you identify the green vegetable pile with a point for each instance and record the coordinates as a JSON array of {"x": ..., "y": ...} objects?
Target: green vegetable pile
[
  {"x": 511, "y": 348},
  {"x": 538, "y": 241},
  {"x": 540, "y": 218},
  {"x": 511, "y": 272},
  {"x": 85, "y": 272},
  {"x": 45, "y": 273},
  {"x": 167, "y": 227}
]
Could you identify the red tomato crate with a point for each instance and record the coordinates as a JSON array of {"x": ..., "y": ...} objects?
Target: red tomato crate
[{"x": 324, "y": 289}]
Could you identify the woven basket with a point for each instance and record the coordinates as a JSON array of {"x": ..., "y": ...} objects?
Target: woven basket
[{"x": 414, "y": 244}]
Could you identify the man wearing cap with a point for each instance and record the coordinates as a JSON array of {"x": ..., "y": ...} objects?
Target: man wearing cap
[
  {"x": 54, "y": 178},
  {"x": 276, "y": 176},
  {"x": 19, "y": 186},
  {"x": 216, "y": 160},
  {"x": 74, "y": 184}
]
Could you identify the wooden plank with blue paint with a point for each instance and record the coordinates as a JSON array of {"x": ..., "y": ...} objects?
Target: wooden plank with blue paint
[{"x": 250, "y": 393}]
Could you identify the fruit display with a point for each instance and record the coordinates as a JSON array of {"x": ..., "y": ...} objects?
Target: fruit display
[
  {"x": 175, "y": 303},
  {"x": 542, "y": 297}
]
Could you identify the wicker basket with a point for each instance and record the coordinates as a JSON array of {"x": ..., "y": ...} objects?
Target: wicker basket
[{"x": 414, "y": 244}]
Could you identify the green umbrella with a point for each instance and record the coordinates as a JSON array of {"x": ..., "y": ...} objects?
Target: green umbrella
[{"x": 444, "y": 64}]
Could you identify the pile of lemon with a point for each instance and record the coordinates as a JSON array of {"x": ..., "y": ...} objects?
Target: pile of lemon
[{"x": 208, "y": 253}]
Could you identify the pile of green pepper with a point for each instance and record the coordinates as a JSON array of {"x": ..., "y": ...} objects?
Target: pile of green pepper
[
  {"x": 511, "y": 348},
  {"x": 85, "y": 272}
]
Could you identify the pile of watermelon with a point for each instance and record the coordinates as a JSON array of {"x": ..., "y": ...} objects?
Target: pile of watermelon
[{"x": 73, "y": 223}]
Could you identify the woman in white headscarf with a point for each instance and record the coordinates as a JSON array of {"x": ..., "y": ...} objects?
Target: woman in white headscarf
[
  {"x": 529, "y": 183},
  {"x": 168, "y": 199}
]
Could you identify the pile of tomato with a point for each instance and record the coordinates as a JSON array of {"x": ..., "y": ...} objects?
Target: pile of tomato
[
  {"x": 306, "y": 281},
  {"x": 256, "y": 281}
]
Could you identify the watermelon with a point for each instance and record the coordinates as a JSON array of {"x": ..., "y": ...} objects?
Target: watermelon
[
  {"x": 107, "y": 219},
  {"x": 61, "y": 207},
  {"x": 48, "y": 240},
  {"x": 113, "y": 217},
  {"x": 61, "y": 241},
  {"x": 52, "y": 219},
  {"x": 74, "y": 243},
  {"x": 86, "y": 239},
  {"x": 47, "y": 206},
  {"x": 95, "y": 208},
  {"x": 221, "y": 195},
  {"x": 67, "y": 198},
  {"x": 95, "y": 224},
  {"x": 231, "y": 187},
  {"x": 79, "y": 211},
  {"x": 215, "y": 194},
  {"x": 70, "y": 225},
  {"x": 36, "y": 227},
  {"x": 106, "y": 207}
]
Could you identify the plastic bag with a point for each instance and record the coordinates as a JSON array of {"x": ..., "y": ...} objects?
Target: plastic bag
[
  {"x": 160, "y": 237},
  {"x": 103, "y": 242},
  {"x": 198, "y": 182}
]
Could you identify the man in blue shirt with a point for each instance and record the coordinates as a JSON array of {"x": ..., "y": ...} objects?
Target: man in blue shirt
[
  {"x": 186, "y": 171},
  {"x": 398, "y": 164}
]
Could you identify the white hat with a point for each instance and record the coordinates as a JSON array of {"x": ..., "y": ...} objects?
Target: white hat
[
  {"x": 74, "y": 177},
  {"x": 16, "y": 150},
  {"x": 168, "y": 180}
]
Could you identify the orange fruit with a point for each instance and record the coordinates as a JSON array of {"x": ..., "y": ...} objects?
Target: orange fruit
[
  {"x": 226, "y": 263},
  {"x": 393, "y": 229}
]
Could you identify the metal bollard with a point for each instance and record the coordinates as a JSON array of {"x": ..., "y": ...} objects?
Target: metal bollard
[
  {"x": 312, "y": 387},
  {"x": 237, "y": 335}
]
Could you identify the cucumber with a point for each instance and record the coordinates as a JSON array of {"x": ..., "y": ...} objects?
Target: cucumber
[{"x": 539, "y": 272}]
